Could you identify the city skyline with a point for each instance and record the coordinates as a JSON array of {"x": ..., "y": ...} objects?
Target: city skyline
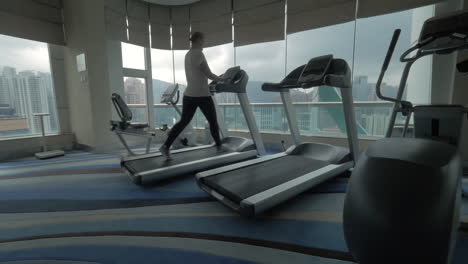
[
  {"x": 309, "y": 120},
  {"x": 270, "y": 117},
  {"x": 363, "y": 90},
  {"x": 24, "y": 54},
  {"x": 23, "y": 94}
]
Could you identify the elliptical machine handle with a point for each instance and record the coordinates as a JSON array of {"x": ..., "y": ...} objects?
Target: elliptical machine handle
[
  {"x": 388, "y": 57},
  {"x": 391, "y": 48},
  {"x": 176, "y": 101},
  {"x": 405, "y": 105}
]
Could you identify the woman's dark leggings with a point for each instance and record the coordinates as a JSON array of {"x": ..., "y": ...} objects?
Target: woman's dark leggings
[{"x": 189, "y": 106}]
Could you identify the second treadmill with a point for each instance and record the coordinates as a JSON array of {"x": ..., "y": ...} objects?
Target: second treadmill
[{"x": 251, "y": 187}]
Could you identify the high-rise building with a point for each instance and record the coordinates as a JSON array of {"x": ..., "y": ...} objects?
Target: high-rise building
[
  {"x": 22, "y": 99},
  {"x": 8, "y": 85},
  {"x": 38, "y": 103},
  {"x": 135, "y": 92},
  {"x": 46, "y": 83},
  {"x": 387, "y": 90},
  {"x": 9, "y": 72},
  {"x": 4, "y": 92},
  {"x": 361, "y": 88}
]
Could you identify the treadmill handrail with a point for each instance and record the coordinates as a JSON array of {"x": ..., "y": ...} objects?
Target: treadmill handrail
[
  {"x": 232, "y": 77},
  {"x": 275, "y": 87},
  {"x": 334, "y": 72}
]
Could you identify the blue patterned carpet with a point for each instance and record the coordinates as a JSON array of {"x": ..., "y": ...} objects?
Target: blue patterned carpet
[{"x": 82, "y": 209}]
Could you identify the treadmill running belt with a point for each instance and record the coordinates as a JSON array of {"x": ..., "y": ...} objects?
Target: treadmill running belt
[
  {"x": 151, "y": 163},
  {"x": 247, "y": 181}
]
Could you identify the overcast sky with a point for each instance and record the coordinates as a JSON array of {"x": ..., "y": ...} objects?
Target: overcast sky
[
  {"x": 23, "y": 54},
  {"x": 266, "y": 61},
  {"x": 263, "y": 62}
]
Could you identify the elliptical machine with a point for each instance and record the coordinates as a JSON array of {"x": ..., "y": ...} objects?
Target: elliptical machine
[
  {"x": 404, "y": 196},
  {"x": 125, "y": 126}
]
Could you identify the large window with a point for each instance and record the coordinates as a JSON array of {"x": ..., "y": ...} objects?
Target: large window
[
  {"x": 26, "y": 88},
  {"x": 136, "y": 82},
  {"x": 264, "y": 62},
  {"x": 163, "y": 76},
  {"x": 133, "y": 56},
  {"x": 220, "y": 58},
  {"x": 314, "y": 116},
  {"x": 179, "y": 68},
  {"x": 135, "y": 97},
  {"x": 373, "y": 37},
  {"x": 362, "y": 43}
]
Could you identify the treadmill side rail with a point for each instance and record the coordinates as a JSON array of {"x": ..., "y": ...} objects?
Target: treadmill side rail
[
  {"x": 157, "y": 154},
  {"x": 238, "y": 165},
  {"x": 192, "y": 166},
  {"x": 262, "y": 201}
]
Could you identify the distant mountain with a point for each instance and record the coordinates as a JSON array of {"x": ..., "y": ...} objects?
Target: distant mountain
[
  {"x": 256, "y": 95},
  {"x": 254, "y": 92}
]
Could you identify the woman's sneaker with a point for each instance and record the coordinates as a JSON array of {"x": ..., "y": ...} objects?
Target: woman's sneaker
[{"x": 165, "y": 151}]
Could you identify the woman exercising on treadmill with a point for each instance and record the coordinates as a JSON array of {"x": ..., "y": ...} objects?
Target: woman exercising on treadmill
[{"x": 197, "y": 94}]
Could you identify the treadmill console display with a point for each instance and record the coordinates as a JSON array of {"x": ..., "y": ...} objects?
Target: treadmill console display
[
  {"x": 292, "y": 77},
  {"x": 451, "y": 25},
  {"x": 231, "y": 73},
  {"x": 169, "y": 93},
  {"x": 444, "y": 34},
  {"x": 235, "y": 81},
  {"x": 316, "y": 69}
]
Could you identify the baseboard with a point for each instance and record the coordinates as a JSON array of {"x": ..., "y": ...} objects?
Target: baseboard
[
  {"x": 16, "y": 148},
  {"x": 82, "y": 147}
]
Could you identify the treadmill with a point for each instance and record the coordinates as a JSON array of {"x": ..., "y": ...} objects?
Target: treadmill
[
  {"x": 251, "y": 187},
  {"x": 154, "y": 167}
]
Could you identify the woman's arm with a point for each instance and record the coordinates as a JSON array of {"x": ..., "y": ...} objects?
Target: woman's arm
[{"x": 206, "y": 70}]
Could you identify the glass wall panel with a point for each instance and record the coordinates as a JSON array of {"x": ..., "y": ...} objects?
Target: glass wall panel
[
  {"x": 179, "y": 63},
  {"x": 315, "y": 113},
  {"x": 133, "y": 56},
  {"x": 26, "y": 88},
  {"x": 163, "y": 76},
  {"x": 373, "y": 37},
  {"x": 362, "y": 43},
  {"x": 135, "y": 97},
  {"x": 263, "y": 62}
]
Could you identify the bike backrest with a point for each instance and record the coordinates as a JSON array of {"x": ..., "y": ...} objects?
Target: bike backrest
[{"x": 122, "y": 108}]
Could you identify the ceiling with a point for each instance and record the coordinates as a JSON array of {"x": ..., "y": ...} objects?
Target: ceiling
[{"x": 172, "y": 2}]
